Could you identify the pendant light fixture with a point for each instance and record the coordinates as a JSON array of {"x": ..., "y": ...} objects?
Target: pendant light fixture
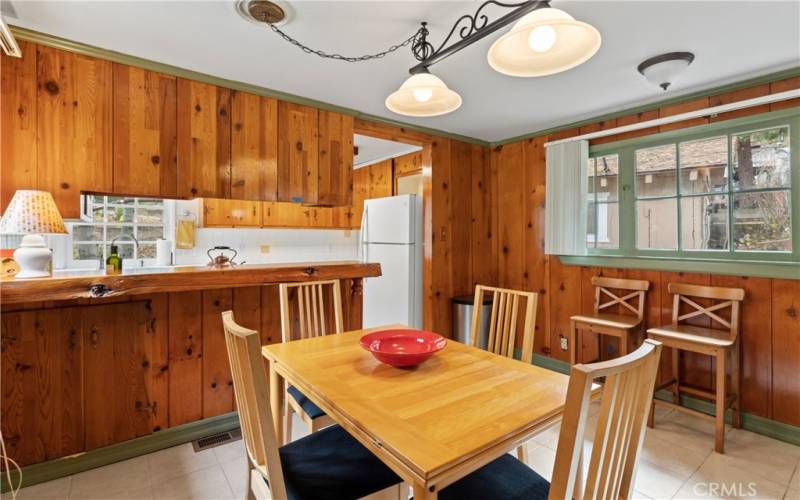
[
  {"x": 544, "y": 42},
  {"x": 423, "y": 94}
]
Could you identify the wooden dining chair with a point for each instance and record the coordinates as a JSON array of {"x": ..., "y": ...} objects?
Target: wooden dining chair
[
  {"x": 621, "y": 326},
  {"x": 311, "y": 321},
  {"x": 502, "y": 335},
  {"x": 617, "y": 440},
  {"x": 329, "y": 461},
  {"x": 720, "y": 343}
]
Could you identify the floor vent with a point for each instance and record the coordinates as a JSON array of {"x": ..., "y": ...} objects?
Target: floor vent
[{"x": 217, "y": 440}]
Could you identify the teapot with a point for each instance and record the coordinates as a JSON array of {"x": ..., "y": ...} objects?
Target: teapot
[{"x": 221, "y": 259}]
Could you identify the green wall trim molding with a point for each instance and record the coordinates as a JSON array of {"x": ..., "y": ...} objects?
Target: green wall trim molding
[
  {"x": 785, "y": 270},
  {"x": 754, "y": 423},
  {"x": 750, "y": 82},
  {"x": 89, "y": 50},
  {"x": 54, "y": 469},
  {"x": 118, "y": 57}
]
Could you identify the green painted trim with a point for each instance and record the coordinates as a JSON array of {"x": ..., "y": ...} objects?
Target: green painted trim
[
  {"x": 790, "y": 270},
  {"x": 54, "y": 469},
  {"x": 118, "y": 57},
  {"x": 750, "y": 82},
  {"x": 754, "y": 423}
]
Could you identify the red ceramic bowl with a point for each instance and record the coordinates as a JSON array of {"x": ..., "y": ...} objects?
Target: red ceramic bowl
[{"x": 403, "y": 348}]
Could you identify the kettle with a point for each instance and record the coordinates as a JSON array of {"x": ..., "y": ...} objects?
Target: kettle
[{"x": 221, "y": 259}]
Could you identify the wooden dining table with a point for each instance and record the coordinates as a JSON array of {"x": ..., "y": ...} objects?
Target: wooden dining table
[{"x": 432, "y": 424}]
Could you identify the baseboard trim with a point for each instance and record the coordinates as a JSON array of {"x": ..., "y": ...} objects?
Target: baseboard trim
[
  {"x": 754, "y": 423},
  {"x": 54, "y": 469}
]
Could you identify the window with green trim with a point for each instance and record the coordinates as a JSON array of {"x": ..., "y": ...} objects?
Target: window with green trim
[{"x": 718, "y": 191}]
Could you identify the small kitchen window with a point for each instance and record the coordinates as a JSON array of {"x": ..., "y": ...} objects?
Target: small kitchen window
[{"x": 129, "y": 220}]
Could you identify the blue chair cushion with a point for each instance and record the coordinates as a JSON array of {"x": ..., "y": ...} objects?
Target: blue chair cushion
[
  {"x": 504, "y": 479},
  {"x": 306, "y": 404},
  {"x": 331, "y": 465}
]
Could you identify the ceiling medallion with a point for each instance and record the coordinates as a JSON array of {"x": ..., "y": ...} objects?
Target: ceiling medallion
[{"x": 543, "y": 41}]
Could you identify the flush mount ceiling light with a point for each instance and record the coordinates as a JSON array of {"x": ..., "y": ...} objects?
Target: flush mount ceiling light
[
  {"x": 423, "y": 94},
  {"x": 662, "y": 70},
  {"x": 543, "y": 41}
]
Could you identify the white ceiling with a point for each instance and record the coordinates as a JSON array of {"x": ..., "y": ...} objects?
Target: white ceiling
[
  {"x": 732, "y": 40},
  {"x": 372, "y": 150}
]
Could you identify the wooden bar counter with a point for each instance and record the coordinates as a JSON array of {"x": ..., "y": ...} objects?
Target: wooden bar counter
[
  {"x": 65, "y": 285},
  {"x": 91, "y": 360}
]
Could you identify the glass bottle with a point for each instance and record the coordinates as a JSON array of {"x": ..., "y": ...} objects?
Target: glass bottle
[{"x": 114, "y": 261}]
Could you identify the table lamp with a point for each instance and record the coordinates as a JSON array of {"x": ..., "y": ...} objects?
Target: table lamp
[{"x": 32, "y": 213}]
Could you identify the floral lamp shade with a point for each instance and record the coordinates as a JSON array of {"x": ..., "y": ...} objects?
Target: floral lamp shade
[{"x": 32, "y": 212}]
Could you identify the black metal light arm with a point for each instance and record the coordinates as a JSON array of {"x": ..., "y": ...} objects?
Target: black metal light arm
[{"x": 477, "y": 26}]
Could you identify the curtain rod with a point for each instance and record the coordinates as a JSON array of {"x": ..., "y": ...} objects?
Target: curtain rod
[{"x": 714, "y": 110}]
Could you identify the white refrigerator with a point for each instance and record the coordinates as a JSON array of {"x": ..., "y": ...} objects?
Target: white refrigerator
[{"x": 391, "y": 235}]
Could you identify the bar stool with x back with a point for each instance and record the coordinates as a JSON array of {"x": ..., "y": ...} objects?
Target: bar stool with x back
[
  {"x": 716, "y": 342},
  {"x": 621, "y": 326}
]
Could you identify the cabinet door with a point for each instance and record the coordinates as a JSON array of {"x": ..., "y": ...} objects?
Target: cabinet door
[
  {"x": 231, "y": 213},
  {"x": 18, "y": 118},
  {"x": 204, "y": 140},
  {"x": 145, "y": 132},
  {"x": 74, "y": 126},
  {"x": 254, "y": 147},
  {"x": 335, "y": 159},
  {"x": 280, "y": 214},
  {"x": 298, "y": 152}
]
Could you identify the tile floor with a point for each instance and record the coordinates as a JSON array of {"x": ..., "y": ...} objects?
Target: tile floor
[{"x": 677, "y": 461}]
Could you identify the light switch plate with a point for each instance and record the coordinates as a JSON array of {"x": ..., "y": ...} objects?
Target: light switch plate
[{"x": 564, "y": 345}]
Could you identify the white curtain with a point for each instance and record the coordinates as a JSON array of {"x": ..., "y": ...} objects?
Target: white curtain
[{"x": 566, "y": 198}]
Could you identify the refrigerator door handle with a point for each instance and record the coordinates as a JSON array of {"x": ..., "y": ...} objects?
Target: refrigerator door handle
[{"x": 362, "y": 248}]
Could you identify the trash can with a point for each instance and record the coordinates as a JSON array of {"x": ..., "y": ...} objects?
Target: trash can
[{"x": 462, "y": 319}]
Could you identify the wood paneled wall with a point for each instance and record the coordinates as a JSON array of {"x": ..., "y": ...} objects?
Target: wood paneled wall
[
  {"x": 79, "y": 375},
  {"x": 513, "y": 242}
]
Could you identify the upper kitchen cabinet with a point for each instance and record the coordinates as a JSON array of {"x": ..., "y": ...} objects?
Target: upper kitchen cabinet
[
  {"x": 74, "y": 126},
  {"x": 18, "y": 130},
  {"x": 298, "y": 153},
  {"x": 204, "y": 140},
  {"x": 335, "y": 159},
  {"x": 254, "y": 147},
  {"x": 145, "y": 132}
]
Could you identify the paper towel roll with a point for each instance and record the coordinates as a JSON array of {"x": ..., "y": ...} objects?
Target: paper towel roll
[{"x": 163, "y": 253}]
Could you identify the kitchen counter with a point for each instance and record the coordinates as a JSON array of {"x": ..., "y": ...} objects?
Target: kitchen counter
[{"x": 67, "y": 285}]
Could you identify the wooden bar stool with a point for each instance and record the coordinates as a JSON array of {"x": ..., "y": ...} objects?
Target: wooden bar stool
[
  {"x": 620, "y": 326},
  {"x": 312, "y": 322},
  {"x": 710, "y": 341},
  {"x": 503, "y": 327}
]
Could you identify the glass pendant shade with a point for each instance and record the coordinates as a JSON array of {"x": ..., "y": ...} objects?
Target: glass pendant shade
[
  {"x": 423, "y": 94},
  {"x": 544, "y": 42}
]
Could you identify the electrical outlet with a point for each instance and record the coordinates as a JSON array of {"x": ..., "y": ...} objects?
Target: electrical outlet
[
  {"x": 564, "y": 345},
  {"x": 264, "y": 248}
]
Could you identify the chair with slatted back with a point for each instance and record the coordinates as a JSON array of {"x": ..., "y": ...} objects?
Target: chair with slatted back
[
  {"x": 502, "y": 333},
  {"x": 311, "y": 321},
  {"x": 329, "y": 461},
  {"x": 621, "y": 326},
  {"x": 720, "y": 343},
  {"x": 617, "y": 440}
]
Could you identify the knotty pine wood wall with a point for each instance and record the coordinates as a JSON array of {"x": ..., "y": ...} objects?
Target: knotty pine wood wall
[
  {"x": 508, "y": 250},
  {"x": 79, "y": 375}
]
